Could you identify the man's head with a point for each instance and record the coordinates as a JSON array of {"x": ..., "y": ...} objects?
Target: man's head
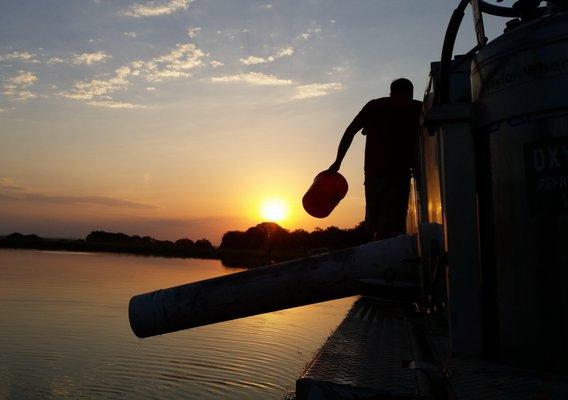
[{"x": 401, "y": 89}]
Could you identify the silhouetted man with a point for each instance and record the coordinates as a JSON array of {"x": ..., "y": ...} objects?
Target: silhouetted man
[{"x": 391, "y": 126}]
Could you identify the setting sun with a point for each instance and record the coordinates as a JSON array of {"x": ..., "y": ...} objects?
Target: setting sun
[{"x": 273, "y": 210}]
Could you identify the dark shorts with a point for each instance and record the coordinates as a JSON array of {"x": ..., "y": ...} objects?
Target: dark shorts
[{"x": 387, "y": 203}]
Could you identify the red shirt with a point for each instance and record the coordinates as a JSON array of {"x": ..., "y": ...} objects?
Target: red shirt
[{"x": 392, "y": 135}]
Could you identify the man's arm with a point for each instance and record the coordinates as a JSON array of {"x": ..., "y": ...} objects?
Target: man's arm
[{"x": 355, "y": 126}]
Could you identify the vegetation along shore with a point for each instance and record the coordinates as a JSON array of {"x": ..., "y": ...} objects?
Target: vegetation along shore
[{"x": 259, "y": 245}]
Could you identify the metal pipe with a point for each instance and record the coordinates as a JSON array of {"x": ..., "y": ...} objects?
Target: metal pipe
[
  {"x": 448, "y": 51},
  {"x": 499, "y": 11},
  {"x": 256, "y": 291}
]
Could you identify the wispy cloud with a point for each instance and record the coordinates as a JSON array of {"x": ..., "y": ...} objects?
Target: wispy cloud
[
  {"x": 8, "y": 184},
  {"x": 23, "y": 79},
  {"x": 12, "y": 192},
  {"x": 66, "y": 200},
  {"x": 301, "y": 91},
  {"x": 90, "y": 58},
  {"x": 113, "y": 104},
  {"x": 317, "y": 90},
  {"x": 337, "y": 70},
  {"x": 16, "y": 86},
  {"x": 55, "y": 60},
  {"x": 193, "y": 32},
  {"x": 156, "y": 8},
  {"x": 25, "y": 95},
  {"x": 309, "y": 33},
  {"x": 175, "y": 64},
  {"x": 253, "y": 60},
  {"x": 131, "y": 35},
  {"x": 252, "y": 78},
  {"x": 216, "y": 64},
  {"x": 19, "y": 56},
  {"x": 98, "y": 90}
]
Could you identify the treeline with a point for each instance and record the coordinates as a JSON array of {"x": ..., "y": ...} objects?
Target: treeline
[
  {"x": 269, "y": 236},
  {"x": 101, "y": 241},
  {"x": 259, "y": 245},
  {"x": 102, "y": 237}
]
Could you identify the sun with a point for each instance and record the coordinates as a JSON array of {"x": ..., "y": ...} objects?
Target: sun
[{"x": 273, "y": 210}]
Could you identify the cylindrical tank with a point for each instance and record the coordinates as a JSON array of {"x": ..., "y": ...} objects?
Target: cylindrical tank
[
  {"x": 520, "y": 91},
  {"x": 325, "y": 193},
  {"x": 291, "y": 284}
]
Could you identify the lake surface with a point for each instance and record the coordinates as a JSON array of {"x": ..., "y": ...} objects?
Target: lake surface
[{"x": 64, "y": 334}]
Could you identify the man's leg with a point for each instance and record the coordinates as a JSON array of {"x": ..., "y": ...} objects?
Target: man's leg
[
  {"x": 394, "y": 205},
  {"x": 371, "y": 208},
  {"x": 402, "y": 187}
]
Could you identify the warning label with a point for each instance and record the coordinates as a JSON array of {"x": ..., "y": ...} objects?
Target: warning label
[{"x": 546, "y": 166}]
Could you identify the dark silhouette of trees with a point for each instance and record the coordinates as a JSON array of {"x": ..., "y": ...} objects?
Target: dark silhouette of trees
[
  {"x": 269, "y": 236},
  {"x": 20, "y": 237},
  {"x": 184, "y": 243},
  {"x": 258, "y": 245},
  {"x": 122, "y": 239},
  {"x": 234, "y": 240},
  {"x": 203, "y": 244}
]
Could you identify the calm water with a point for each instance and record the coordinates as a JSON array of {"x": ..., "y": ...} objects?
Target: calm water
[{"x": 64, "y": 333}]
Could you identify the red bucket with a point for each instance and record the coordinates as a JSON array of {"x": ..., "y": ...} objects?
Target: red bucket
[{"x": 324, "y": 195}]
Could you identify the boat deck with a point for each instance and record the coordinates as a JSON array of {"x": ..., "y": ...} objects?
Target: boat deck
[{"x": 382, "y": 350}]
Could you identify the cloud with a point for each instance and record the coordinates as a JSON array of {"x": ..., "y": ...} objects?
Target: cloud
[
  {"x": 253, "y": 78},
  {"x": 301, "y": 91},
  {"x": 55, "y": 60},
  {"x": 285, "y": 52},
  {"x": 19, "y": 56},
  {"x": 113, "y": 104},
  {"x": 156, "y": 8},
  {"x": 337, "y": 70},
  {"x": 81, "y": 59},
  {"x": 216, "y": 64},
  {"x": 175, "y": 64},
  {"x": 15, "y": 85},
  {"x": 193, "y": 32},
  {"x": 8, "y": 184},
  {"x": 98, "y": 90},
  {"x": 25, "y": 95},
  {"x": 12, "y": 192},
  {"x": 90, "y": 58},
  {"x": 253, "y": 60},
  {"x": 130, "y": 35},
  {"x": 309, "y": 33},
  {"x": 67, "y": 200},
  {"x": 317, "y": 90},
  {"x": 23, "y": 79}
]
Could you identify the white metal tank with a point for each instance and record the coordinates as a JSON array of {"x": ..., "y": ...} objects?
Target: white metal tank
[{"x": 520, "y": 93}]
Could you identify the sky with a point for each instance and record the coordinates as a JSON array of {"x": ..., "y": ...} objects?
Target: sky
[{"x": 182, "y": 118}]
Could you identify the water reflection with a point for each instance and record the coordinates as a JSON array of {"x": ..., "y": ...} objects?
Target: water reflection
[{"x": 64, "y": 333}]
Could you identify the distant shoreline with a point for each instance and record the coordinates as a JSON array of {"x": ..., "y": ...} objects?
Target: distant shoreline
[
  {"x": 260, "y": 245},
  {"x": 231, "y": 258}
]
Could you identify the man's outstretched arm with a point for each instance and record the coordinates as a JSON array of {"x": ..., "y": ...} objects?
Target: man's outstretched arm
[{"x": 355, "y": 126}]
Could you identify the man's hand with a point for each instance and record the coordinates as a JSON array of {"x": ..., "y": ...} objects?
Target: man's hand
[{"x": 335, "y": 166}]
